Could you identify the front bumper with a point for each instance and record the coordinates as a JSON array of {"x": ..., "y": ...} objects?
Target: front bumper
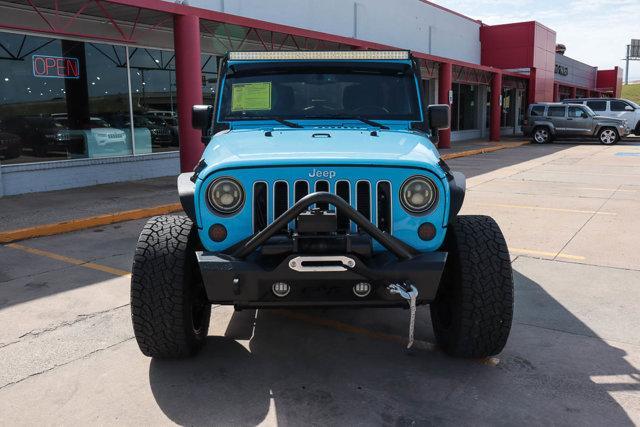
[
  {"x": 161, "y": 138},
  {"x": 244, "y": 278},
  {"x": 624, "y": 131},
  {"x": 244, "y": 283}
]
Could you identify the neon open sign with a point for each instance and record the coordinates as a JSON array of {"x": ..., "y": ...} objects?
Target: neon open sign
[{"x": 58, "y": 67}]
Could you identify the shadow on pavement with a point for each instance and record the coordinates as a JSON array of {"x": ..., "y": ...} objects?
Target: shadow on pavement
[
  {"x": 484, "y": 163},
  {"x": 312, "y": 375}
]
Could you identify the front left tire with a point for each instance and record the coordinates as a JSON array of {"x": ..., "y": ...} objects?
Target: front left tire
[
  {"x": 473, "y": 310},
  {"x": 169, "y": 308},
  {"x": 541, "y": 135}
]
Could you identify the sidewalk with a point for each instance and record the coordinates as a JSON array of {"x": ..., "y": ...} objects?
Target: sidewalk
[
  {"x": 55, "y": 207},
  {"x": 479, "y": 146},
  {"x": 39, "y": 214}
]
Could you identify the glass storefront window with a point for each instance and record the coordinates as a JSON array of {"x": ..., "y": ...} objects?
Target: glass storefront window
[
  {"x": 454, "y": 107},
  {"x": 508, "y": 116},
  {"x": 153, "y": 88},
  {"x": 464, "y": 110},
  {"x": 468, "y": 117},
  {"x": 64, "y": 99},
  {"x": 57, "y": 97}
]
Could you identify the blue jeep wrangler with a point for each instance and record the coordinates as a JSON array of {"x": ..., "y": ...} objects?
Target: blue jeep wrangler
[{"x": 320, "y": 187}]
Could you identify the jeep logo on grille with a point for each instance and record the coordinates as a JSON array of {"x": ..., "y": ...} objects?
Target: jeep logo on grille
[{"x": 318, "y": 173}]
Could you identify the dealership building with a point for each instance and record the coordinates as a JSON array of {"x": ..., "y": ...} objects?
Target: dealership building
[{"x": 98, "y": 91}]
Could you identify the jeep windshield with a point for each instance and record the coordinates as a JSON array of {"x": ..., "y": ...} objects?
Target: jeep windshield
[{"x": 363, "y": 91}]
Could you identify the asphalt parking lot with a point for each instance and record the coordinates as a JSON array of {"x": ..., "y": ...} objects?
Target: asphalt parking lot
[{"x": 570, "y": 215}]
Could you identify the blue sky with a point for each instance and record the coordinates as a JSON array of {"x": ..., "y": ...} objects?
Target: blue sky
[{"x": 594, "y": 31}]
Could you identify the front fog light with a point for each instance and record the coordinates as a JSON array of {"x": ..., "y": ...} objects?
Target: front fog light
[
  {"x": 281, "y": 289},
  {"x": 362, "y": 289},
  {"x": 218, "y": 232},
  {"x": 418, "y": 194},
  {"x": 226, "y": 195},
  {"x": 427, "y": 231}
]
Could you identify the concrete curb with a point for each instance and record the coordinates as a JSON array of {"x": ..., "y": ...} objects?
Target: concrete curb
[
  {"x": 111, "y": 218},
  {"x": 483, "y": 150},
  {"x": 83, "y": 223}
]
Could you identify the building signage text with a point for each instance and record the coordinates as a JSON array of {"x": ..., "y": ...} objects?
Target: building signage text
[
  {"x": 58, "y": 67},
  {"x": 562, "y": 70}
]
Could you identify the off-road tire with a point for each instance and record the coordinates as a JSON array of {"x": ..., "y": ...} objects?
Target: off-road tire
[
  {"x": 169, "y": 309},
  {"x": 542, "y": 130},
  {"x": 613, "y": 140},
  {"x": 473, "y": 309}
]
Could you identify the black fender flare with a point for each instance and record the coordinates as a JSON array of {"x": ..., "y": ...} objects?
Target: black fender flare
[
  {"x": 186, "y": 191},
  {"x": 457, "y": 189}
]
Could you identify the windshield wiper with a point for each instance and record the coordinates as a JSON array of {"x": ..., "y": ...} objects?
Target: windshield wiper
[
  {"x": 287, "y": 123},
  {"x": 361, "y": 119},
  {"x": 371, "y": 123}
]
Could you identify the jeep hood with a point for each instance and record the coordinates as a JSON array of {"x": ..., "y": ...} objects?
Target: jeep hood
[{"x": 322, "y": 146}]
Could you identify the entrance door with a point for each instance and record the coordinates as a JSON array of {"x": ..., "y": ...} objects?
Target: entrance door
[{"x": 521, "y": 100}]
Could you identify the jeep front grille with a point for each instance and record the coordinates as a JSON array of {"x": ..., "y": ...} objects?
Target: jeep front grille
[
  {"x": 383, "y": 201},
  {"x": 372, "y": 200},
  {"x": 259, "y": 206}
]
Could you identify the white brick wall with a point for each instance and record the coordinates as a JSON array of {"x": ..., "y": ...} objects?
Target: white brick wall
[{"x": 58, "y": 175}]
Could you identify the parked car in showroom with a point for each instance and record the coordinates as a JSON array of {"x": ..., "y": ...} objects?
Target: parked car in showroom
[
  {"x": 616, "y": 108},
  {"x": 160, "y": 134},
  {"x": 168, "y": 122},
  {"x": 320, "y": 187},
  {"x": 44, "y": 135},
  {"x": 548, "y": 121},
  {"x": 10, "y": 144},
  {"x": 103, "y": 134}
]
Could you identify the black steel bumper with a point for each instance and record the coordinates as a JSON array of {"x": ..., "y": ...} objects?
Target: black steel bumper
[
  {"x": 247, "y": 284},
  {"x": 241, "y": 278}
]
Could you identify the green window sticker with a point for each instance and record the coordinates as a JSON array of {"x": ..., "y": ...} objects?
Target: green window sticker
[{"x": 251, "y": 96}]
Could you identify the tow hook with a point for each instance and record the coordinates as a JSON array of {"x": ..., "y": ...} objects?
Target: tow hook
[{"x": 410, "y": 293}]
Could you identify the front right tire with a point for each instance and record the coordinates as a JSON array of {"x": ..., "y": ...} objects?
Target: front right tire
[
  {"x": 608, "y": 136},
  {"x": 473, "y": 309},
  {"x": 169, "y": 307}
]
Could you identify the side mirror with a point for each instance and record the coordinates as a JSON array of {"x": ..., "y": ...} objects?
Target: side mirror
[
  {"x": 629, "y": 108},
  {"x": 585, "y": 115},
  {"x": 438, "y": 116},
  {"x": 201, "y": 117}
]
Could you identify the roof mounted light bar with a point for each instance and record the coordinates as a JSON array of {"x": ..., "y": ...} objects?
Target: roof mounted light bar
[{"x": 320, "y": 55}]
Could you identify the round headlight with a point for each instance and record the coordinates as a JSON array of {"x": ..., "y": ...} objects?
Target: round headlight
[
  {"x": 226, "y": 195},
  {"x": 418, "y": 194}
]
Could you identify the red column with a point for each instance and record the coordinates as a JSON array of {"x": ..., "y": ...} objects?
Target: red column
[
  {"x": 573, "y": 92},
  {"x": 186, "y": 39},
  {"x": 496, "y": 108},
  {"x": 445, "y": 77},
  {"x": 556, "y": 92},
  {"x": 531, "y": 93}
]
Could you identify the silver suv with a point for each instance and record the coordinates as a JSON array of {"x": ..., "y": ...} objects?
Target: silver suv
[
  {"x": 547, "y": 121},
  {"x": 613, "y": 107}
]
